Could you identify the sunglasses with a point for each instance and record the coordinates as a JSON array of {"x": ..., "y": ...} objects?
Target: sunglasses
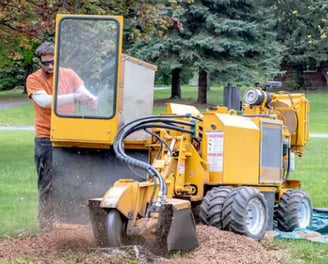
[{"x": 47, "y": 63}]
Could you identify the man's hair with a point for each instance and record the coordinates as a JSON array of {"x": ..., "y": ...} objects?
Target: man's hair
[{"x": 46, "y": 48}]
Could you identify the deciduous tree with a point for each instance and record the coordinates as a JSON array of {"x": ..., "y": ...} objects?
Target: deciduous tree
[
  {"x": 302, "y": 28},
  {"x": 25, "y": 23}
]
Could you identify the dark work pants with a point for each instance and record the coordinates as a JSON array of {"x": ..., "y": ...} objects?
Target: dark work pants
[{"x": 43, "y": 162}]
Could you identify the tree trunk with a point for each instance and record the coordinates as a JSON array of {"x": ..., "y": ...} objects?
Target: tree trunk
[
  {"x": 202, "y": 87},
  {"x": 175, "y": 84},
  {"x": 324, "y": 70}
]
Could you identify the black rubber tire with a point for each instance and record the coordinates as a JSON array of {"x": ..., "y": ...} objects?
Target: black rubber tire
[
  {"x": 245, "y": 212},
  {"x": 293, "y": 211},
  {"x": 115, "y": 229},
  {"x": 210, "y": 212}
]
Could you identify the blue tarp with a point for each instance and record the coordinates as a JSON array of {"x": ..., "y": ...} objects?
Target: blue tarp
[{"x": 317, "y": 232}]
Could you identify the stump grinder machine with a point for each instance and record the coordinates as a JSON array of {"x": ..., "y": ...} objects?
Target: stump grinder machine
[{"x": 129, "y": 172}]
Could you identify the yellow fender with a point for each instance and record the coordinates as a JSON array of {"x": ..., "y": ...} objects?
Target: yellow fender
[{"x": 123, "y": 196}]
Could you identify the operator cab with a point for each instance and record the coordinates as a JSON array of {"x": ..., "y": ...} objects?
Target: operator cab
[{"x": 88, "y": 60}]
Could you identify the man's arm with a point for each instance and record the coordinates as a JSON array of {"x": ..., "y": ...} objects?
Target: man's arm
[
  {"x": 44, "y": 100},
  {"x": 82, "y": 95}
]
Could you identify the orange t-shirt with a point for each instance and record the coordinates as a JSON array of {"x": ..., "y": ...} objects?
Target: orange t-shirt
[{"x": 68, "y": 82}]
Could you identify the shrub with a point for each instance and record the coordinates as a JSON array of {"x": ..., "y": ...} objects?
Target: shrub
[{"x": 12, "y": 77}]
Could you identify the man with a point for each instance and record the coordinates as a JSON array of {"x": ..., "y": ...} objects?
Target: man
[{"x": 40, "y": 90}]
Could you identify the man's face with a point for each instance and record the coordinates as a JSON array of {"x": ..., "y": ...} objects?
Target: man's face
[{"x": 47, "y": 64}]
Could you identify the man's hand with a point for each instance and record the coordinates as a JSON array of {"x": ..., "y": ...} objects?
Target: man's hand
[
  {"x": 81, "y": 98},
  {"x": 93, "y": 104},
  {"x": 84, "y": 99}
]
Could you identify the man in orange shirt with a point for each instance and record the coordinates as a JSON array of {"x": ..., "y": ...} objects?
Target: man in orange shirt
[{"x": 40, "y": 90}]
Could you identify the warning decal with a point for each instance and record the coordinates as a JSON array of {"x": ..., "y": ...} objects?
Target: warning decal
[{"x": 215, "y": 150}]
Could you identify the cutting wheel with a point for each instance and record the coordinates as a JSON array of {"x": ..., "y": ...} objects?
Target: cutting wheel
[{"x": 115, "y": 229}]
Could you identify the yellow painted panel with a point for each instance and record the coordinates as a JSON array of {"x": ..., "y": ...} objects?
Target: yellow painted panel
[
  {"x": 241, "y": 155},
  {"x": 181, "y": 109},
  {"x": 83, "y": 130},
  {"x": 237, "y": 121},
  {"x": 237, "y": 161}
]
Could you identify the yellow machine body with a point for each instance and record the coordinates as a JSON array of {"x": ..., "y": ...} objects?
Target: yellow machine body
[
  {"x": 223, "y": 148},
  {"x": 174, "y": 163}
]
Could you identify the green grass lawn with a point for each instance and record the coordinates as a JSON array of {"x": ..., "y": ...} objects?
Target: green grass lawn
[
  {"x": 312, "y": 170},
  {"x": 20, "y": 115},
  {"x": 17, "y": 115},
  {"x": 318, "y": 112},
  {"x": 18, "y": 188}
]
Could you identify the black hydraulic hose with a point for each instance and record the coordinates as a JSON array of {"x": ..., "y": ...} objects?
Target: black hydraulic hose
[
  {"x": 157, "y": 154},
  {"x": 158, "y": 118},
  {"x": 165, "y": 119},
  {"x": 123, "y": 134},
  {"x": 156, "y": 125},
  {"x": 119, "y": 150},
  {"x": 162, "y": 142},
  {"x": 147, "y": 214},
  {"x": 140, "y": 164},
  {"x": 143, "y": 123},
  {"x": 118, "y": 142}
]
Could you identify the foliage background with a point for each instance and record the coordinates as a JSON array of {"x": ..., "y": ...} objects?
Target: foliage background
[{"x": 176, "y": 34}]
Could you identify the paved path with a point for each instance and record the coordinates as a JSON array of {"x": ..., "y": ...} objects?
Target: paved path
[
  {"x": 12, "y": 127},
  {"x": 318, "y": 135},
  {"x": 12, "y": 102}
]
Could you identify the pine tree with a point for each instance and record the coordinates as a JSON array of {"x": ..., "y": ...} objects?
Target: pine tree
[{"x": 232, "y": 40}]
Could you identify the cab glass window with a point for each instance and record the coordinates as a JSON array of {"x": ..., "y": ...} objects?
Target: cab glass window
[{"x": 86, "y": 70}]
